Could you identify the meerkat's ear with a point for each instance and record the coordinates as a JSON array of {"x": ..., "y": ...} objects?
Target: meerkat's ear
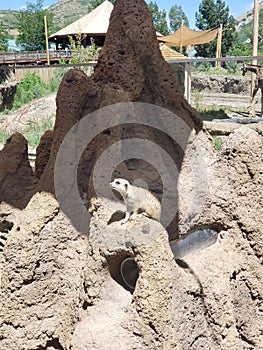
[{"x": 126, "y": 187}]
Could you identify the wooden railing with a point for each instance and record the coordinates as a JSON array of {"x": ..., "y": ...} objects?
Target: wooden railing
[{"x": 33, "y": 57}]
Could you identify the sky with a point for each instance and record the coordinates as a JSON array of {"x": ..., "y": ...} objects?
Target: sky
[{"x": 236, "y": 7}]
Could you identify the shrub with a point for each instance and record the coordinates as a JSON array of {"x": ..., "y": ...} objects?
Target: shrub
[
  {"x": 29, "y": 89},
  {"x": 56, "y": 79},
  {"x": 203, "y": 67}
]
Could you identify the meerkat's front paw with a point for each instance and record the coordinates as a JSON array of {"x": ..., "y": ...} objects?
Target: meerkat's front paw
[{"x": 127, "y": 217}]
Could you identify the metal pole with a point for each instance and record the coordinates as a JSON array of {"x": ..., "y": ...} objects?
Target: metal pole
[{"x": 254, "y": 50}]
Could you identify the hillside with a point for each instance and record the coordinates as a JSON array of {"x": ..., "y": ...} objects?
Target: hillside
[
  {"x": 247, "y": 17},
  {"x": 9, "y": 20},
  {"x": 67, "y": 11}
]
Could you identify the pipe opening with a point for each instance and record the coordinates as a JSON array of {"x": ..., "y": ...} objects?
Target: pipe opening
[{"x": 124, "y": 270}]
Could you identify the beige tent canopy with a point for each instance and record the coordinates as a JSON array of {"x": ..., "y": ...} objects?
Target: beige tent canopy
[
  {"x": 185, "y": 36},
  {"x": 95, "y": 24},
  {"x": 170, "y": 54}
]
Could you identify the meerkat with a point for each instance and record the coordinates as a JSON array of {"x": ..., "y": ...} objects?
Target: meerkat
[{"x": 137, "y": 199}]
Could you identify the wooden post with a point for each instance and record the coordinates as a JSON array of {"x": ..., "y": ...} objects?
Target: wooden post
[
  {"x": 181, "y": 36},
  {"x": 254, "y": 52},
  {"x": 47, "y": 50},
  {"x": 219, "y": 45}
]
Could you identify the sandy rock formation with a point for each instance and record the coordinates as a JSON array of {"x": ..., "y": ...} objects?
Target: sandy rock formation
[
  {"x": 61, "y": 289},
  {"x": 226, "y": 128}
]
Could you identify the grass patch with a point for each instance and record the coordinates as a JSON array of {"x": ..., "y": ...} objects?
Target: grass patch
[
  {"x": 3, "y": 136},
  {"x": 218, "y": 143},
  {"x": 208, "y": 113},
  {"x": 33, "y": 131}
]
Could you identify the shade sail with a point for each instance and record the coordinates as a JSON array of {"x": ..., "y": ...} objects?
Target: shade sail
[{"x": 185, "y": 36}]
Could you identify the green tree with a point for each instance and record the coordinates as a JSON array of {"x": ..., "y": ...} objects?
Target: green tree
[
  {"x": 243, "y": 44},
  {"x": 31, "y": 26},
  {"x": 3, "y": 37},
  {"x": 176, "y": 15},
  {"x": 211, "y": 14},
  {"x": 159, "y": 18}
]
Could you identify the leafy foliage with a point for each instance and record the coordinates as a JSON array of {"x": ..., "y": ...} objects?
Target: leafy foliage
[
  {"x": 80, "y": 54},
  {"x": 31, "y": 26},
  {"x": 211, "y": 14},
  {"x": 243, "y": 46},
  {"x": 218, "y": 143},
  {"x": 56, "y": 79},
  {"x": 159, "y": 18},
  {"x": 6, "y": 74},
  {"x": 231, "y": 67},
  {"x": 176, "y": 15},
  {"x": 30, "y": 88},
  {"x": 3, "y": 37}
]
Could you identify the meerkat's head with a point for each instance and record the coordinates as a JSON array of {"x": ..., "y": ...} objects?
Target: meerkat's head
[{"x": 120, "y": 185}]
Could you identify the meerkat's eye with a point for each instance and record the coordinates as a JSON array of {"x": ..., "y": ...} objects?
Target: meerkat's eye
[{"x": 117, "y": 182}]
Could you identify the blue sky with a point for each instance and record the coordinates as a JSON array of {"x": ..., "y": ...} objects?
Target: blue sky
[{"x": 236, "y": 7}]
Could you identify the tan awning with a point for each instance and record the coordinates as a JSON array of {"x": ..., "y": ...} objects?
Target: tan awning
[{"x": 185, "y": 36}]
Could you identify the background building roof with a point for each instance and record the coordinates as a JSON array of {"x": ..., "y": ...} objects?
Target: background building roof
[{"x": 95, "y": 22}]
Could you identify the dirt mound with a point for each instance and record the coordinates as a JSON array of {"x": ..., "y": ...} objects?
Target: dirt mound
[
  {"x": 17, "y": 179},
  {"x": 43, "y": 153},
  {"x": 130, "y": 69}
]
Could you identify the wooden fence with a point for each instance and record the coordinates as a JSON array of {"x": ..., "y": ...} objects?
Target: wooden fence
[{"x": 44, "y": 72}]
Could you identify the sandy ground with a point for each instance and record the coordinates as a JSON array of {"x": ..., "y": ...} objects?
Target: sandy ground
[{"x": 35, "y": 111}]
